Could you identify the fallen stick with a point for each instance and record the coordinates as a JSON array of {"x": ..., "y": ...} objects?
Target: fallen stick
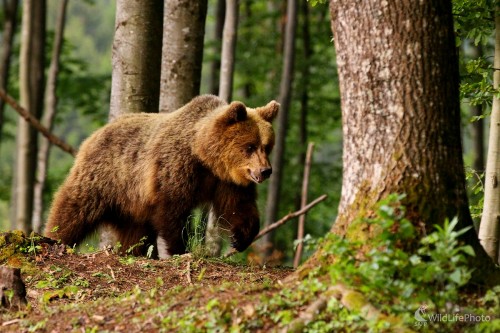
[
  {"x": 188, "y": 273},
  {"x": 284, "y": 219},
  {"x": 36, "y": 124}
]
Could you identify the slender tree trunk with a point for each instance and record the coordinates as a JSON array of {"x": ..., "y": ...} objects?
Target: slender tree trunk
[
  {"x": 213, "y": 241},
  {"x": 303, "y": 203},
  {"x": 478, "y": 125},
  {"x": 478, "y": 138},
  {"x": 400, "y": 135},
  {"x": 228, "y": 49},
  {"x": 304, "y": 105},
  {"x": 48, "y": 117},
  {"x": 183, "y": 32},
  {"x": 213, "y": 84},
  {"x": 274, "y": 189},
  {"x": 9, "y": 30},
  {"x": 247, "y": 90},
  {"x": 304, "y": 95},
  {"x": 489, "y": 229},
  {"x": 473, "y": 51},
  {"x": 31, "y": 94},
  {"x": 135, "y": 82}
]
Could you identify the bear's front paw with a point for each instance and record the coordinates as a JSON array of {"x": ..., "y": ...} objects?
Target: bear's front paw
[
  {"x": 242, "y": 239},
  {"x": 241, "y": 246}
]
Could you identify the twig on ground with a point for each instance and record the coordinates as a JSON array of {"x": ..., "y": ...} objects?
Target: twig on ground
[
  {"x": 11, "y": 322},
  {"x": 112, "y": 273},
  {"x": 307, "y": 316},
  {"x": 283, "y": 220},
  {"x": 188, "y": 272}
]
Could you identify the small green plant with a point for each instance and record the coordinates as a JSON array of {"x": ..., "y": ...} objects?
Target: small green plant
[
  {"x": 149, "y": 253},
  {"x": 9, "y": 294},
  {"x": 32, "y": 247},
  {"x": 117, "y": 247},
  {"x": 67, "y": 291},
  {"x": 141, "y": 242},
  {"x": 38, "y": 326},
  {"x": 196, "y": 227},
  {"x": 476, "y": 192}
]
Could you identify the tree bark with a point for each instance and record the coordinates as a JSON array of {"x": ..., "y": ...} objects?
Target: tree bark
[
  {"x": 136, "y": 59},
  {"x": 183, "y": 32},
  {"x": 9, "y": 30},
  {"x": 11, "y": 282},
  {"x": 48, "y": 117},
  {"x": 31, "y": 73},
  {"x": 305, "y": 70},
  {"x": 478, "y": 125},
  {"x": 213, "y": 241},
  {"x": 401, "y": 135},
  {"x": 274, "y": 188},
  {"x": 213, "y": 84},
  {"x": 489, "y": 229},
  {"x": 228, "y": 50},
  {"x": 303, "y": 202}
]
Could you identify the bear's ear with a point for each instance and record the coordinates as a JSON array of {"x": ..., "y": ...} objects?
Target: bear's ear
[
  {"x": 235, "y": 112},
  {"x": 270, "y": 111}
]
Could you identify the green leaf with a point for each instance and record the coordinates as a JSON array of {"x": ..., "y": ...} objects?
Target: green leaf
[{"x": 468, "y": 250}]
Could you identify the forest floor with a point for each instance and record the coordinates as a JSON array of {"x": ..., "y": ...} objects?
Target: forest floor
[{"x": 103, "y": 291}]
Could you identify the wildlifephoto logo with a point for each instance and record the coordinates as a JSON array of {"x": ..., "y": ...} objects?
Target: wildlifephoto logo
[
  {"x": 420, "y": 315},
  {"x": 422, "y": 318}
]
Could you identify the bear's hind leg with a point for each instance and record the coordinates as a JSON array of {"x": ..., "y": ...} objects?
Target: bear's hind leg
[
  {"x": 136, "y": 239},
  {"x": 71, "y": 221},
  {"x": 171, "y": 244},
  {"x": 172, "y": 237}
]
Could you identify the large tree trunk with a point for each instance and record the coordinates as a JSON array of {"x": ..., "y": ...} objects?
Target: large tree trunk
[
  {"x": 9, "y": 30},
  {"x": 136, "y": 59},
  {"x": 182, "y": 55},
  {"x": 489, "y": 229},
  {"x": 48, "y": 118},
  {"x": 135, "y": 82},
  {"x": 274, "y": 189},
  {"x": 398, "y": 75},
  {"x": 228, "y": 49},
  {"x": 31, "y": 74}
]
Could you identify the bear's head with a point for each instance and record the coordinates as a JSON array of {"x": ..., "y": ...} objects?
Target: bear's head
[{"x": 234, "y": 142}]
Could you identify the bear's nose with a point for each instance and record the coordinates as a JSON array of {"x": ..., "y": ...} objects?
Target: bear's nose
[{"x": 266, "y": 172}]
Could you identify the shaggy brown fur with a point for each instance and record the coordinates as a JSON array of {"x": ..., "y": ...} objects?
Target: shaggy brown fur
[{"x": 144, "y": 173}]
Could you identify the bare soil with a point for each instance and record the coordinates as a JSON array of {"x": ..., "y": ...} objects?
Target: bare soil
[{"x": 105, "y": 292}]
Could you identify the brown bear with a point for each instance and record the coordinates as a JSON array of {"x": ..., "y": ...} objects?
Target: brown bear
[{"x": 143, "y": 174}]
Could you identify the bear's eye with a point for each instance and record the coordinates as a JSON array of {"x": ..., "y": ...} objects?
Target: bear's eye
[
  {"x": 250, "y": 149},
  {"x": 268, "y": 149}
]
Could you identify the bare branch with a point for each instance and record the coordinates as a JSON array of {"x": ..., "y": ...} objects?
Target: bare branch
[{"x": 36, "y": 124}]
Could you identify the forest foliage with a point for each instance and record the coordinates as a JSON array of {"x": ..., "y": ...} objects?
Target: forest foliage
[{"x": 84, "y": 91}]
